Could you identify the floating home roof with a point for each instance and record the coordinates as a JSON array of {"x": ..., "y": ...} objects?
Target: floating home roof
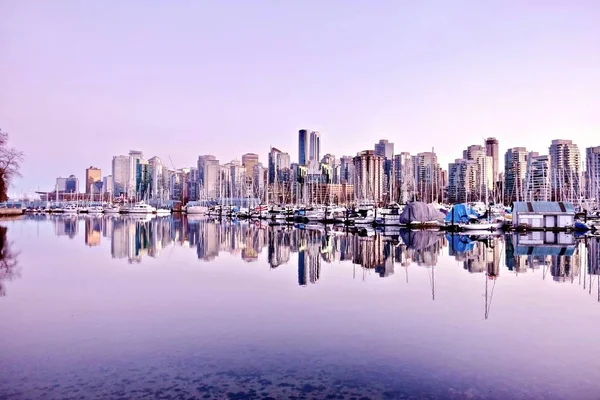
[
  {"x": 542, "y": 250},
  {"x": 558, "y": 207}
]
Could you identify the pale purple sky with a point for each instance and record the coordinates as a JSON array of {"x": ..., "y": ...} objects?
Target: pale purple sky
[{"x": 81, "y": 81}]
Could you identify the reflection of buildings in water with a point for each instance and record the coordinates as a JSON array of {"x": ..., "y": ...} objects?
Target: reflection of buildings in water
[
  {"x": 66, "y": 225},
  {"x": 556, "y": 252},
  {"x": 279, "y": 245},
  {"x": 565, "y": 267},
  {"x": 93, "y": 230},
  {"x": 309, "y": 266},
  {"x": 209, "y": 240},
  {"x": 593, "y": 256}
]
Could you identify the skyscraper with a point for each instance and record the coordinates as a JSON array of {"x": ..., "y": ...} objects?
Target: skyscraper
[
  {"x": 108, "y": 186},
  {"x": 309, "y": 148},
  {"x": 462, "y": 181},
  {"x": 368, "y": 176},
  {"x": 132, "y": 173},
  {"x": 564, "y": 170},
  {"x": 484, "y": 177},
  {"x": 120, "y": 170},
  {"x": 592, "y": 172},
  {"x": 249, "y": 160},
  {"x": 404, "y": 177},
  {"x": 303, "y": 157},
  {"x": 346, "y": 169},
  {"x": 428, "y": 176},
  {"x": 72, "y": 184},
  {"x": 208, "y": 176},
  {"x": 491, "y": 149},
  {"x": 385, "y": 149},
  {"x": 92, "y": 175},
  {"x": 537, "y": 178},
  {"x": 515, "y": 170}
]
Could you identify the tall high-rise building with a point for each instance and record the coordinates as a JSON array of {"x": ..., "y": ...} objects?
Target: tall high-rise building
[
  {"x": 159, "y": 179},
  {"x": 404, "y": 177},
  {"x": 120, "y": 173},
  {"x": 72, "y": 184},
  {"x": 133, "y": 177},
  {"x": 314, "y": 150},
  {"x": 346, "y": 169},
  {"x": 484, "y": 177},
  {"x": 192, "y": 183},
  {"x": 515, "y": 170},
  {"x": 564, "y": 170},
  {"x": 309, "y": 148},
  {"x": 92, "y": 175},
  {"x": 208, "y": 176},
  {"x": 258, "y": 180},
  {"x": 462, "y": 181},
  {"x": 249, "y": 160},
  {"x": 537, "y": 178},
  {"x": 428, "y": 177},
  {"x": 592, "y": 172},
  {"x": 385, "y": 149},
  {"x": 61, "y": 185},
  {"x": 491, "y": 149},
  {"x": 108, "y": 186},
  {"x": 303, "y": 146},
  {"x": 368, "y": 176},
  {"x": 279, "y": 166}
]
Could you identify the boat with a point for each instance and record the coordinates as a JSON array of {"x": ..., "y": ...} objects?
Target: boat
[
  {"x": 95, "y": 209},
  {"x": 141, "y": 208},
  {"x": 389, "y": 215},
  {"x": 368, "y": 219},
  {"x": 163, "y": 211},
  {"x": 70, "y": 209},
  {"x": 111, "y": 209},
  {"x": 195, "y": 209},
  {"x": 479, "y": 225}
]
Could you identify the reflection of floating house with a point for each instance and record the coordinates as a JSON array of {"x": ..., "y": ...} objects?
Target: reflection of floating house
[
  {"x": 543, "y": 215},
  {"x": 545, "y": 244}
]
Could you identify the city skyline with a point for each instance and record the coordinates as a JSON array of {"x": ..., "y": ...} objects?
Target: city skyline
[{"x": 178, "y": 78}]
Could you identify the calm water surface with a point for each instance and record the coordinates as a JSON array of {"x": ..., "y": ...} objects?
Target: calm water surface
[{"x": 176, "y": 308}]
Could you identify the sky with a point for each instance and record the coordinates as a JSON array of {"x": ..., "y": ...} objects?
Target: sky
[{"x": 82, "y": 81}]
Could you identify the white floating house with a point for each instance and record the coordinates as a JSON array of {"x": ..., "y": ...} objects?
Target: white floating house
[{"x": 538, "y": 215}]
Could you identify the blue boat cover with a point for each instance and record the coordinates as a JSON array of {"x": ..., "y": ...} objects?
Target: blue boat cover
[{"x": 462, "y": 214}]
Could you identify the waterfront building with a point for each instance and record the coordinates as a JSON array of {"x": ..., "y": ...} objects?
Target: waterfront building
[
  {"x": 92, "y": 175},
  {"x": 133, "y": 175},
  {"x": 120, "y": 168},
  {"x": 484, "y": 177},
  {"x": 142, "y": 179},
  {"x": 564, "y": 170},
  {"x": 179, "y": 184},
  {"x": 107, "y": 187},
  {"x": 346, "y": 169},
  {"x": 208, "y": 176},
  {"x": 404, "y": 177},
  {"x": 258, "y": 180},
  {"x": 462, "y": 181},
  {"x": 72, "y": 184},
  {"x": 249, "y": 160},
  {"x": 192, "y": 183},
  {"x": 515, "y": 170},
  {"x": 368, "y": 176},
  {"x": 385, "y": 149},
  {"x": 158, "y": 179},
  {"x": 309, "y": 148},
  {"x": 428, "y": 177},
  {"x": 592, "y": 172},
  {"x": 61, "y": 185},
  {"x": 537, "y": 177},
  {"x": 492, "y": 150}
]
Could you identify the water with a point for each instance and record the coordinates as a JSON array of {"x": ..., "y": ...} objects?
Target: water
[{"x": 116, "y": 307}]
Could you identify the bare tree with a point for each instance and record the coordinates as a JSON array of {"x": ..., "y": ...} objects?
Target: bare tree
[
  {"x": 10, "y": 162},
  {"x": 9, "y": 265}
]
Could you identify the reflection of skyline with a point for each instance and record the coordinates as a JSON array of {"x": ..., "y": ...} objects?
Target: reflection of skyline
[{"x": 134, "y": 238}]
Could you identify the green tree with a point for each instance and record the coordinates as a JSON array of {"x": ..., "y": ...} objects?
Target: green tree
[{"x": 10, "y": 162}]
